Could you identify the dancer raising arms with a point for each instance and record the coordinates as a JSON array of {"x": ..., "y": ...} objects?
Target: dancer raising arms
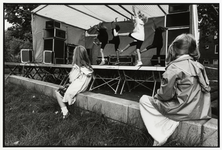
[{"x": 138, "y": 34}]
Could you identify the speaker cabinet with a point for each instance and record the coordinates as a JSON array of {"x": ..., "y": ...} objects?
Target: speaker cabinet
[
  {"x": 69, "y": 53},
  {"x": 158, "y": 60},
  {"x": 173, "y": 8},
  {"x": 48, "y": 57},
  {"x": 58, "y": 47},
  {"x": 126, "y": 60},
  {"x": 59, "y": 61},
  {"x": 178, "y": 19},
  {"x": 54, "y": 32},
  {"x": 172, "y": 34},
  {"x": 54, "y": 41},
  {"x": 52, "y": 24},
  {"x": 26, "y": 55}
]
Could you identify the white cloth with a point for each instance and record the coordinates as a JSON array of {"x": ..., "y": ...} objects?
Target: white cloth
[
  {"x": 138, "y": 32},
  {"x": 80, "y": 79},
  {"x": 158, "y": 126}
]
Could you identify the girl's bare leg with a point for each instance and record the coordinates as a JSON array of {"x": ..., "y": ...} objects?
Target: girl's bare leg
[
  {"x": 117, "y": 57},
  {"x": 127, "y": 46},
  {"x": 61, "y": 104},
  {"x": 139, "y": 62},
  {"x": 103, "y": 58}
]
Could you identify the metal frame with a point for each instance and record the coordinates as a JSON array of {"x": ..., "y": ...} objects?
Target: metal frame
[{"x": 114, "y": 77}]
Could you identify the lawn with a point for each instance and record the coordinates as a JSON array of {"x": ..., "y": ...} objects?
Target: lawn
[{"x": 34, "y": 119}]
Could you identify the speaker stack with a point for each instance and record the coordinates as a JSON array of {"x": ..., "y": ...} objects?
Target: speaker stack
[
  {"x": 158, "y": 60},
  {"x": 26, "y": 55},
  {"x": 54, "y": 43},
  {"x": 177, "y": 21}
]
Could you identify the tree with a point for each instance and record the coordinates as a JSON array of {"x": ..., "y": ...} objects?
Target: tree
[
  {"x": 18, "y": 36},
  {"x": 19, "y": 15},
  {"x": 208, "y": 15}
]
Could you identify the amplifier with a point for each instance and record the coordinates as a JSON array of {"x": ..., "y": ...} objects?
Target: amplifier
[
  {"x": 158, "y": 60},
  {"x": 52, "y": 24},
  {"x": 48, "y": 57},
  {"x": 99, "y": 59},
  {"x": 26, "y": 55},
  {"x": 60, "y": 33},
  {"x": 173, "y": 8},
  {"x": 59, "y": 61},
  {"x": 127, "y": 59},
  {"x": 54, "y": 32}
]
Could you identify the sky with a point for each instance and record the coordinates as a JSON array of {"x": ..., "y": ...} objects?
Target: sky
[{"x": 7, "y": 24}]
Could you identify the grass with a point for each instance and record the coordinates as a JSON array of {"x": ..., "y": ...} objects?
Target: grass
[{"x": 31, "y": 119}]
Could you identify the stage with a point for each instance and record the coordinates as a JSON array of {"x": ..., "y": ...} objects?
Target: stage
[{"x": 117, "y": 78}]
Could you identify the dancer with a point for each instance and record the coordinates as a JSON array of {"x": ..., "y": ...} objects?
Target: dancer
[
  {"x": 103, "y": 40},
  {"x": 184, "y": 93},
  {"x": 157, "y": 40},
  {"x": 79, "y": 79},
  {"x": 138, "y": 34},
  {"x": 116, "y": 39}
]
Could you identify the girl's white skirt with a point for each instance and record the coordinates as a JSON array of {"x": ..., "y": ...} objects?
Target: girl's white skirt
[{"x": 158, "y": 126}]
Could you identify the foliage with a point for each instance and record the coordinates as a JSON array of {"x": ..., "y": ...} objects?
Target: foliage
[
  {"x": 208, "y": 15},
  {"x": 13, "y": 47},
  {"x": 19, "y": 15},
  {"x": 18, "y": 36}
]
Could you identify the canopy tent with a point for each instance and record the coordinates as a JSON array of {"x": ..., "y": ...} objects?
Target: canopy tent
[
  {"x": 85, "y": 16},
  {"x": 76, "y": 19}
]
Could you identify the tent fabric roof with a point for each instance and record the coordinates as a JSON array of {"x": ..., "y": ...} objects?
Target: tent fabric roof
[{"x": 85, "y": 16}]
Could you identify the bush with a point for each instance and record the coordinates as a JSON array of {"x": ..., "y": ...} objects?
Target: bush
[{"x": 13, "y": 47}]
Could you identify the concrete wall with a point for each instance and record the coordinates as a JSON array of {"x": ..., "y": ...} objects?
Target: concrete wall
[{"x": 188, "y": 132}]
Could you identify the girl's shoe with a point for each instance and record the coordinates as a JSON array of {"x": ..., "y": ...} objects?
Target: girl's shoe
[
  {"x": 155, "y": 143},
  {"x": 139, "y": 63},
  {"x": 120, "y": 51},
  {"x": 66, "y": 116},
  {"x": 102, "y": 63}
]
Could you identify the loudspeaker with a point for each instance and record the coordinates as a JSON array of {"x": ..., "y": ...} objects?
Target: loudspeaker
[
  {"x": 60, "y": 33},
  {"x": 172, "y": 34},
  {"x": 54, "y": 32},
  {"x": 126, "y": 60},
  {"x": 48, "y": 56},
  {"x": 52, "y": 24},
  {"x": 26, "y": 55},
  {"x": 59, "y": 61},
  {"x": 57, "y": 46},
  {"x": 158, "y": 60},
  {"x": 48, "y": 44},
  {"x": 178, "y": 19},
  {"x": 69, "y": 52},
  {"x": 178, "y": 8}
]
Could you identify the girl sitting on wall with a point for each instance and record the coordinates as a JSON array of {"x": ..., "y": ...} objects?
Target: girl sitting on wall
[
  {"x": 184, "y": 93},
  {"x": 79, "y": 79}
]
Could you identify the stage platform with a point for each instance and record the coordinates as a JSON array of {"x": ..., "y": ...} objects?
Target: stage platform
[{"x": 117, "y": 78}]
